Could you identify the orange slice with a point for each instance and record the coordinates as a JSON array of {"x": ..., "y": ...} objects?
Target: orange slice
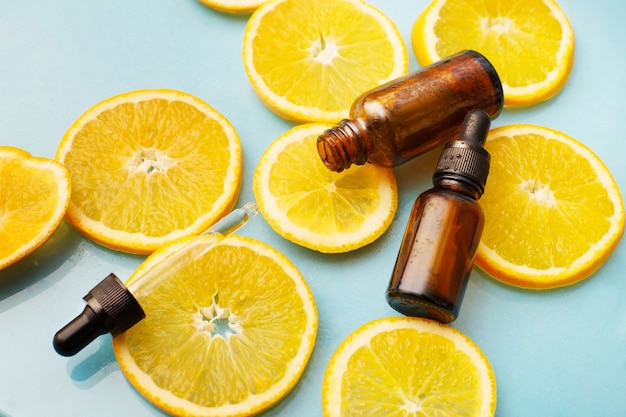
[
  {"x": 230, "y": 344},
  {"x": 406, "y": 366},
  {"x": 148, "y": 167},
  {"x": 316, "y": 208},
  {"x": 530, "y": 42},
  {"x": 234, "y": 6},
  {"x": 553, "y": 211},
  {"x": 308, "y": 60},
  {"x": 34, "y": 195}
]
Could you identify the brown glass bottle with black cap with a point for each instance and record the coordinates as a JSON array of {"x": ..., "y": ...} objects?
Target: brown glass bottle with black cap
[
  {"x": 413, "y": 114},
  {"x": 443, "y": 231}
]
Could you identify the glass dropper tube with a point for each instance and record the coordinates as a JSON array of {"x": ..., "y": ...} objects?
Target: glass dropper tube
[
  {"x": 144, "y": 282},
  {"x": 113, "y": 307}
]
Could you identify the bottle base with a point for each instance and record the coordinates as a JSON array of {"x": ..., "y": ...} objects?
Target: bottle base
[{"x": 417, "y": 307}]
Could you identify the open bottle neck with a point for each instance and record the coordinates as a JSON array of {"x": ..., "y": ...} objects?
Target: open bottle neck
[{"x": 343, "y": 145}]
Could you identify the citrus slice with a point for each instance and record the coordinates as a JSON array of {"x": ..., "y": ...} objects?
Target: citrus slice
[
  {"x": 308, "y": 60},
  {"x": 567, "y": 209},
  {"x": 314, "y": 207},
  {"x": 230, "y": 344},
  {"x": 234, "y": 6},
  {"x": 407, "y": 366},
  {"x": 530, "y": 43},
  {"x": 148, "y": 167},
  {"x": 34, "y": 195}
]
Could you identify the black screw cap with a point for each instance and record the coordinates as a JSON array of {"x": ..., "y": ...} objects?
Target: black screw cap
[
  {"x": 110, "y": 308},
  {"x": 465, "y": 159}
]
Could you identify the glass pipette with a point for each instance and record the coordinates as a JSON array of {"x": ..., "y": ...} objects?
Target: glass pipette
[{"x": 113, "y": 307}]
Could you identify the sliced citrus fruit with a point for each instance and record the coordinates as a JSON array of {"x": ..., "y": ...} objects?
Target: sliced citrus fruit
[
  {"x": 407, "y": 366},
  {"x": 148, "y": 167},
  {"x": 229, "y": 344},
  {"x": 234, "y": 6},
  {"x": 34, "y": 195},
  {"x": 530, "y": 43},
  {"x": 308, "y": 60},
  {"x": 316, "y": 208},
  {"x": 553, "y": 212}
]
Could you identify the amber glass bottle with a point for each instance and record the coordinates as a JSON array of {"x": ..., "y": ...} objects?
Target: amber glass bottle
[
  {"x": 413, "y": 114},
  {"x": 440, "y": 241}
]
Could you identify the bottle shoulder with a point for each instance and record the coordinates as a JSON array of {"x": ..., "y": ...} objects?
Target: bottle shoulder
[{"x": 444, "y": 198}]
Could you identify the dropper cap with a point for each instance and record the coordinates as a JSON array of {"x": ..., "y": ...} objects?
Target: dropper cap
[
  {"x": 466, "y": 160},
  {"x": 110, "y": 308}
]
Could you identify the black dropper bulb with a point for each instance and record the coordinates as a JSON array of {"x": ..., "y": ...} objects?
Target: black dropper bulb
[
  {"x": 110, "y": 308},
  {"x": 465, "y": 159}
]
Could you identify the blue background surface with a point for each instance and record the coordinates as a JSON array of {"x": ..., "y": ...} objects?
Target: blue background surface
[{"x": 555, "y": 353}]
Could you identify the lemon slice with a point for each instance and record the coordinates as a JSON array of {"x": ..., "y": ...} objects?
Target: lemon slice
[
  {"x": 316, "y": 208},
  {"x": 530, "y": 43},
  {"x": 567, "y": 208},
  {"x": 405, "y": 366},
  {"x": 148, "y": 167},
  {"x": 229, "y": 334},
  {"x": 35, "y": 193},
  {"x": 308, "y": 60},
  {"x": 234, "y": 6}
]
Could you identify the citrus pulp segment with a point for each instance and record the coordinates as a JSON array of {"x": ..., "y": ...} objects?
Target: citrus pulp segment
[
  {"x": 407, "y": 366},
  {"x": 308, "y": 60},
  {"x": 553, "y": 212},
  {"x": 530, "y": 43},
  {"x": 34, "y": 195},
  {"x": 316, "y": 208},
  {"x": 229, "y": 334},
  {"x": 148, "y": 167},
  {"x": 236, "y": 6}
]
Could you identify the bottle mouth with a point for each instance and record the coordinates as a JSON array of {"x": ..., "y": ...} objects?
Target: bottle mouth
[
  {"x": 328, "y": 154},
  {"x": 339, "y": 147}
]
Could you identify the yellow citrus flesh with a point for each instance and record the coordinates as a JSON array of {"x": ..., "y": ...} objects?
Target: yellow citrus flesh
[
  {"x": 406, "y": 366},
  {"x": 553, "y": 212},
  {"x": 228, "y": 334},
  {"x": 530, "y": 43},
  {"x": 316, "y": 208},
  {"x": 308, "y": 60},
  {"x": 34, "y": 196},
  {"x": 148, "y": 167},
  {"x": 234, "y": 6}
]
